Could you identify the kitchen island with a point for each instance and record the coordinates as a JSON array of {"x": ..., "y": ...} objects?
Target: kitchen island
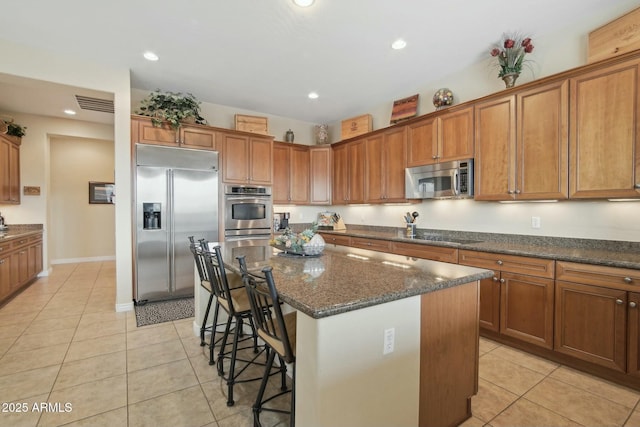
[{"x": 348, "y": 300}]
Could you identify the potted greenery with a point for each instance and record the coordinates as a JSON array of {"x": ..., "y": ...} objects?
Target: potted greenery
[
  {"x": 171, "y": 107},
  {"x": 14, "y": 129}
]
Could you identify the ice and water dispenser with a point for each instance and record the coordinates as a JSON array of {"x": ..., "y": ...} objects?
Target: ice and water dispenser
[{"x": 152, "y": 216}]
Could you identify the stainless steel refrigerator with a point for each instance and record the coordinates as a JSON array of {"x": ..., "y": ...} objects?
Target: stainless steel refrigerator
[{"x": 176, "y": 196}]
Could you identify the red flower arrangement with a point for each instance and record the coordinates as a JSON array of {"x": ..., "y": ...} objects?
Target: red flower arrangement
[{"x": 510, "y": 53}]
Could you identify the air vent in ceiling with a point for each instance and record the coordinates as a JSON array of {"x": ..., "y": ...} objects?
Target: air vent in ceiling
[{"x": 95, "y": 104}]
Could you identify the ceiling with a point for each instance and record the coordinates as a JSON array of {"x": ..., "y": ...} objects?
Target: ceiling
[{"x": 267, "y": 55}]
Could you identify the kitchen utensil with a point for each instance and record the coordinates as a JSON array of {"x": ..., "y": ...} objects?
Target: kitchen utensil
[{"x": 414, "y": 215}]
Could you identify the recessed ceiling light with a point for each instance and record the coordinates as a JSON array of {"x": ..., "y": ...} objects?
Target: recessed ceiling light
[
  {"x": 150, "y": 56},
  {"x": 70, "y": 112},
  {"x": 398, "y": 44},
  {"x": 313, "y": 95},
  {"x": 303, "y": 3}
]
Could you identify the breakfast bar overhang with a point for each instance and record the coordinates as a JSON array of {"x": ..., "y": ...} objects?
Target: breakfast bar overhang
[{"x": 347, "y": 301}]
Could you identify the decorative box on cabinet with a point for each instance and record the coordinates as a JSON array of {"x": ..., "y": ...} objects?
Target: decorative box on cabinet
[
  {"x": 9, "y": 169},
  {"x": 445, "y": 137},
  {"x": 524, "y": 286}
]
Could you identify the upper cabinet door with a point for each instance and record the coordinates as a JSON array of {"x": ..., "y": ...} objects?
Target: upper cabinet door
[
  {"x": 261, "y": 161},
  {"x": 604, "y": 149},
  {"x": 320, "y": 175},
  {"x": 495, "y": 149},
  {"x": 422, "y": 142},
  {"x": 455, "y": 135},
  {"x": 543, "y": 142}
]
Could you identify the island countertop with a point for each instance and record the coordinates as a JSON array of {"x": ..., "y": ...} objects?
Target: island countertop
[{"x": 343, "y": 279}]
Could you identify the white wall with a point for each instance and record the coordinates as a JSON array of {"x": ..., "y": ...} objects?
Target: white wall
[
  {"x": 580, "y": 219},
  {"x": 80, "y": 231},
  {"x": 41, "y": 65}
]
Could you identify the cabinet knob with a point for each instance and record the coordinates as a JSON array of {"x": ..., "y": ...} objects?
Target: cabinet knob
[
  {"x": 619, "y": 301},
  {"x": 637, "y": 185},
  {"x": 501, "y": 280},
  {"x": 517, "y": 191},
  {"x": 1, "y": 261},
  {"x": 627, "y": 280},
  {"x": 495, "y": 279},
  {"x": 632, "y": 304},
  {"x": 499, "y": 262},
  {"x": 434, "y": 157},
  {"x": 510, "y": 192}
]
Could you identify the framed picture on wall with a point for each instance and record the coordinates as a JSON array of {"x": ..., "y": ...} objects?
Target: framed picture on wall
[{"x": 102, "y": 192}]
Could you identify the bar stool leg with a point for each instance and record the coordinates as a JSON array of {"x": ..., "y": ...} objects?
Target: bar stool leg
[
  {"x": 214, "y": 328},
  {"x": 232, "y": 366},
  {"x": 257, "y": 406},
  {"x": 203, "y": 327},
  {"x": 225, "y": 336}
]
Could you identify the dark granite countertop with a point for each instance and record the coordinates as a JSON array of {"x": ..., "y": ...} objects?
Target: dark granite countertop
[
  {"x": 17, "y": 231},
  {"x": 590, "y": 251},
  {"x": 343, "y": 279}
]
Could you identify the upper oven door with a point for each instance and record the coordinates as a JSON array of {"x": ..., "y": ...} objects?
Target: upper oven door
[{"x": 247, "y": 212}]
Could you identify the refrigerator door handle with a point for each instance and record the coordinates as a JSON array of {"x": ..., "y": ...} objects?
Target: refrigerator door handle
[{"x": 170, "y": 229}]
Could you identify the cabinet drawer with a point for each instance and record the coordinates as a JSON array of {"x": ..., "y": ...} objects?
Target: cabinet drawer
[
  {"x": 336, "y": 239},
  {"x": 34, "y": 239},
  {"x": 621, "y": 278},
  {"x": 435, "y": 253},
  {"x": 5, "y": 247},
  {"x": 371, "y": 244},
  {"x": 511, "y": 263},
  {"x": 18, "y": 243}
]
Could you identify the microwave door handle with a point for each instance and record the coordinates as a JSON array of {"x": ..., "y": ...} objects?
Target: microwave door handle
[{"x": 456, "y": 191}]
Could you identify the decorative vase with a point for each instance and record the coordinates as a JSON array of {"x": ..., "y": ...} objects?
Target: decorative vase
[
  {"x": 322, "y": 134},
  {"x": 443, "y": 98},
  {"x": 288, "y": 136},
  {"x": 510, "y": 79}
]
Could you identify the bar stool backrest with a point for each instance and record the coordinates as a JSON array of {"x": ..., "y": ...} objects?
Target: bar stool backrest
[
  {"x": 267, "y": 313},
  {"x": 218, "y": 276},
  {"x": 198, "y": 255}
]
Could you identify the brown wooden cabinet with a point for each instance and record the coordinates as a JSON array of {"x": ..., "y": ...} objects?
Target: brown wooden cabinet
[
  {"x": 290, "y": 173},
  {"x": 246, "y": 159},
  {"x": 605, "y": 147},
  {"x": 597, "y": 315},
  {"x": 9, "y": 169},
  {"x": 385, "y": 166},
  {"x": 445, "y": 137},
  {"x": 186, "y": 136},
  {"x": 522, "y": 145},
  {"x": 435, "y": 253},
  {"x": 20, "y": 263},
  {"x": 336, "y": 239},
  {"x": 518, "y": 301},
  {"x": 371, "y": 244},
  {"x": 320, "y": 175},
  {"x": 348, "y": 172}
]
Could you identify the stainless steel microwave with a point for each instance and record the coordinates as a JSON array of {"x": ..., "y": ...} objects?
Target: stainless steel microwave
[{"x": 446, "y": 180}]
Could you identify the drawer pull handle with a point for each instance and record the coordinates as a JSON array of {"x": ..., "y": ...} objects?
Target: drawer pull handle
[
  {"x": 619, "y": 301},
  {"x": 628, "y": 280},
  {"x": 499, "y": 262},
  {"x": 632, "y": 304}
]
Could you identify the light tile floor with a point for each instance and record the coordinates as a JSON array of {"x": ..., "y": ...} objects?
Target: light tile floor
[{"x": 61, "y": 343}]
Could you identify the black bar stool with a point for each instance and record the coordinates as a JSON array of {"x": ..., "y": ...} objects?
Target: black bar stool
[
  {"x": 278, "y": 331},
  {"x": 235, "y": 302}
]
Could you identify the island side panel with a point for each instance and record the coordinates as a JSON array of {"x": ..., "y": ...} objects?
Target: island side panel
[
  {"x": 342, "y": 376},
  {"x": 449, "y": 351}
]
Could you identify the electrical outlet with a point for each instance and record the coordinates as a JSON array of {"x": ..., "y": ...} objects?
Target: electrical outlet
[
  {"x": 535, "y": 222},
  {"x": 389, "y": 340}
]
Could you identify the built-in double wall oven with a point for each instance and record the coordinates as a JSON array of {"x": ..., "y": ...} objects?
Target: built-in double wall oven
[{"x": 248, "y": 212}]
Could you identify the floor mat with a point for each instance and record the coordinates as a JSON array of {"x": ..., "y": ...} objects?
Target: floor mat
[{"x": 164, "y": 311}]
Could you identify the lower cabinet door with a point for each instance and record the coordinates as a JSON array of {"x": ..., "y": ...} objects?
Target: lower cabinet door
[
  {"x": 526, "y": 308},
  {"x": 591, "y": 323},
  {"x": 490, "y": 304}
]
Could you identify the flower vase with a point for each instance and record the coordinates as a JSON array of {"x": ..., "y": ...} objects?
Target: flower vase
[{"x": 510, "y": 79}]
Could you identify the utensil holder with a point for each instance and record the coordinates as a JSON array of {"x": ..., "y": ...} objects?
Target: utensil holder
[{"x": 411, "y": 230}]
